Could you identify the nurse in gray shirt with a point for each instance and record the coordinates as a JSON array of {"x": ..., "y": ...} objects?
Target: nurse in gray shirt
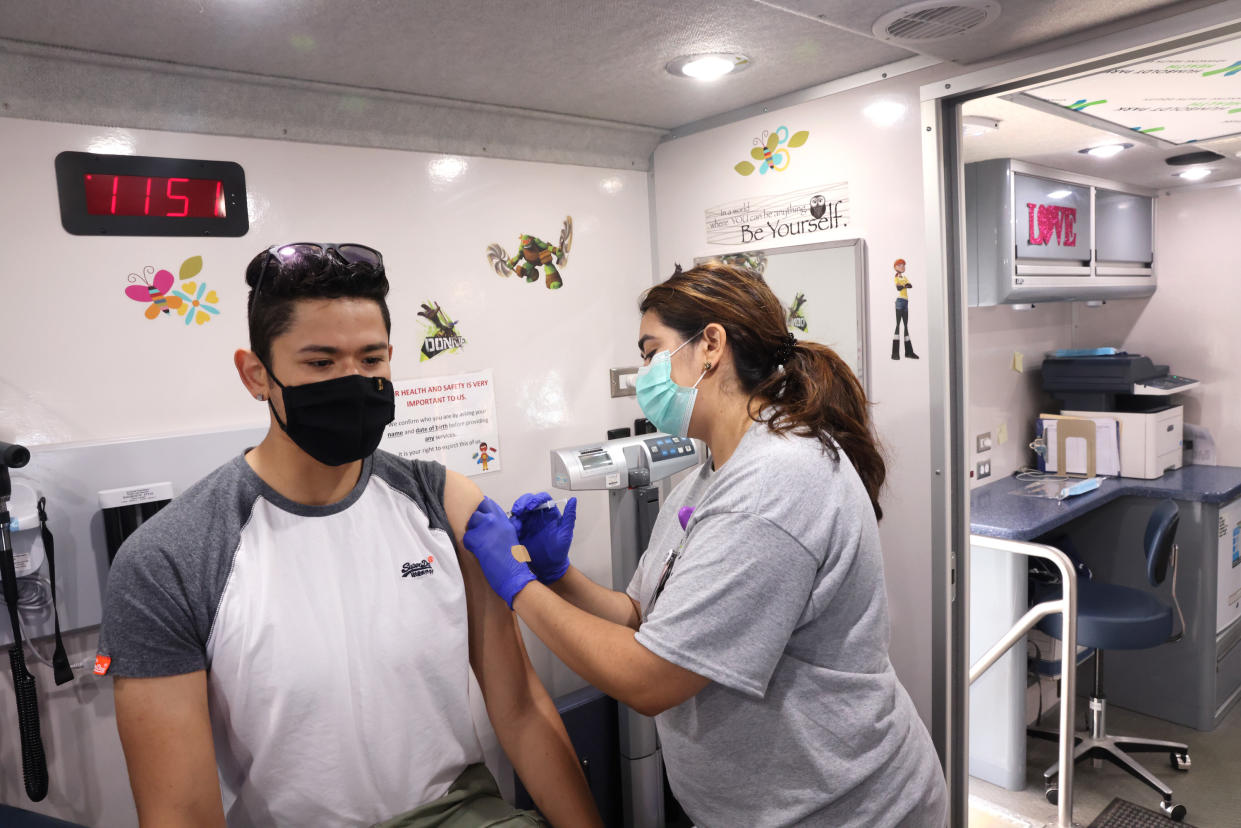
[{"x": 757, "y": 632}]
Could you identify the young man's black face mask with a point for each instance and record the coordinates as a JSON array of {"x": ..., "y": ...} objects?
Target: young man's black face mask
[{"x": 339, "y": 420}]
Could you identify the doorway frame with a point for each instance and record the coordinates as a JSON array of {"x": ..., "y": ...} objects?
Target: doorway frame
[{"x": 944, "y": 223}]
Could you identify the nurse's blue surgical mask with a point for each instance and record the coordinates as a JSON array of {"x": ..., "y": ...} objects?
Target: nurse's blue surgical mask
[{"x": 667, "y": 405}]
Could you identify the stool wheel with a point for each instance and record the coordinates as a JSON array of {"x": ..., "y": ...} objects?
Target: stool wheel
[
  {"x": 1175, "y": 811},
  {"x": 1052, "y": 791},
  {"x": 1181, "y": 761}
]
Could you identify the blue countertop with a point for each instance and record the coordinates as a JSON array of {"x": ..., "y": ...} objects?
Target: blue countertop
[{"x": 998, "y": 511}]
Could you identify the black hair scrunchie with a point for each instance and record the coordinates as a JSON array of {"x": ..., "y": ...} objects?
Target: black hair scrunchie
[{"x": 784, "y": 351}]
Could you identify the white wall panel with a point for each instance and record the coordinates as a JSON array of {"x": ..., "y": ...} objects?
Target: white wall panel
[
  {"x": 1003, "y": 400},
  {"x": 882, "y": 165},
  {"x": 80, "y": 361},
  {"x": 1191, "y": 322}
]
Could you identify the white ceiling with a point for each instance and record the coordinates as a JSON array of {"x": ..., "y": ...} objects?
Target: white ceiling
[
  {"x": 601, "y": 59},
  {"x": 1034, "y": 133}
]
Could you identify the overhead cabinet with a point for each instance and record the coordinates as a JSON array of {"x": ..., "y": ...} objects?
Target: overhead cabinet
[
  {"x": 1124, "y": 223},
  {"x": 1035, "y": 234}
]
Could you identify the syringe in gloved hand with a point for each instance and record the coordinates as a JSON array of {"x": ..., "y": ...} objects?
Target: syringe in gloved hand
[{"x": 560, "y": 504}]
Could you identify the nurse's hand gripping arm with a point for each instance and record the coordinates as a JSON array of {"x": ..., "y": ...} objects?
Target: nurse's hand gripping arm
[
  {"x": 547, "y": 535},
  {"x": 525, "y": 719},
  {"x": 166, "y": 735},
  {"x": 603, "y": 652}
]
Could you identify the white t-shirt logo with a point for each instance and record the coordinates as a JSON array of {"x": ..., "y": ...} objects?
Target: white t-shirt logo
[{"x": 417, "y": 570}]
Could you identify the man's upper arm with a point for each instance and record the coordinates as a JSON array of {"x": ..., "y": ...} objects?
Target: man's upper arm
[
  {"x": 165, "y": 731},
  {"x": 461, "y": 498}
]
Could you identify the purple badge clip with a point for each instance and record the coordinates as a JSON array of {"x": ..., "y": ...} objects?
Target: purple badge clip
[{"x": 683, "y": 514}]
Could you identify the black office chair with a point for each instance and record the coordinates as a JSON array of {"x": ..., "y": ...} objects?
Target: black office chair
[{"x": 1111, "y": 617}]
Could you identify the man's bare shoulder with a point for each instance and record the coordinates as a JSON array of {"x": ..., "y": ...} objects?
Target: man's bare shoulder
[{"x": 461, "y": 498}]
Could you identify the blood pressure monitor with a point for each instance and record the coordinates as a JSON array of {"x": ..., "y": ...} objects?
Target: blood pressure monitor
[
  {"x": 624, "y": 462},
  {"x": 626, "y": 468}
]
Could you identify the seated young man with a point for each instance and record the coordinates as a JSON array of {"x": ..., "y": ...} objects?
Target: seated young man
[{"x": 292, "y": 636}]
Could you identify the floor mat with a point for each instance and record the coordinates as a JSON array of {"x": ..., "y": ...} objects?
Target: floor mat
[{"x": 1121, "y": 813}]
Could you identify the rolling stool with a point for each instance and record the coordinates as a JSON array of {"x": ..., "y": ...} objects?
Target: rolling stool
[{"x": 1111, "y": 617}]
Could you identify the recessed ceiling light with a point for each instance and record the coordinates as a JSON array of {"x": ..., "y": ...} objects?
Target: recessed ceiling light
[
  {"x": 884, "y": 113},
  {"x": 1059, "y": 193},
  {"x": 974, "y": 125},
  {"x": 708, "y": 67},
  {"x": 1194, "y": 173},
  {"x": 447, "y": 168},
  {"x": 1107, "y": 150}
]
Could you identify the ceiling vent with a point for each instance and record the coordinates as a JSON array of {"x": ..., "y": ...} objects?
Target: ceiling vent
[{"x": 932, "y": 21}]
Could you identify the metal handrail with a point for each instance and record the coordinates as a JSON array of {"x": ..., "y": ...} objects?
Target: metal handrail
[{"x": 1067, "y": 606}]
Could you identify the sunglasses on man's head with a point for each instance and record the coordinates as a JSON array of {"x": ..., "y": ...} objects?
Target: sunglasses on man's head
[{"x": 349, "y": 253}]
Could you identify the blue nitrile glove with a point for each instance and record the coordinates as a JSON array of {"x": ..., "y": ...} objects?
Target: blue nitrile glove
[
  {"x": 545, "y": 533},
  {"x": 491, "y": 538}
]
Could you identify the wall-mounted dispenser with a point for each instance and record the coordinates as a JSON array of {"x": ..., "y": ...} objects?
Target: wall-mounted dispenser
[{"x": 127, "y": 508}]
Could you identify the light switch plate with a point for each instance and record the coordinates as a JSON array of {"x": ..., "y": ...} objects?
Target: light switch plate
[
  {"x": 622, "y": 380},
  {"x": 983, "y": 442}
]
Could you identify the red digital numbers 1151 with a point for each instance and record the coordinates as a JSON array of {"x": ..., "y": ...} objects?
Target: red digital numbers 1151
[{"x": 133, "y": 195}]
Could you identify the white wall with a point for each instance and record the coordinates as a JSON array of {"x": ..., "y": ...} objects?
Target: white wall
[
  {"x": 1191, "y": 323},
  {"x": 82, "y": 363},
  {"x": 883, "y": 168},
  {"x": 1003, "y": 399}
]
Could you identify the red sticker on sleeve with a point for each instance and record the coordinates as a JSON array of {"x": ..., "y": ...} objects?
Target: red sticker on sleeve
[{"x": 102, "y": 663}]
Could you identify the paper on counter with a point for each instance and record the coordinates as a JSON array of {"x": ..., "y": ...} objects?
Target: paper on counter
[
  {"x": 1107, "y": 448},
  {"x": 1203, "y": 453}
]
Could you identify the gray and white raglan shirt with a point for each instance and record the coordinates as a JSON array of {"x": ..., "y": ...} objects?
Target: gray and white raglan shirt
[
  {"x": 777, "y": 596},
  {"x": 334, "y": 639}
]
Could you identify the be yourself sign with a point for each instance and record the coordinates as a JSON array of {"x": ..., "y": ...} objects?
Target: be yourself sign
[{"x": 803, "y": 215}]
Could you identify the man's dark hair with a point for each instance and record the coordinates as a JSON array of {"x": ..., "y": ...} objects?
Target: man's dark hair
[{"x": 285, "y": 280}]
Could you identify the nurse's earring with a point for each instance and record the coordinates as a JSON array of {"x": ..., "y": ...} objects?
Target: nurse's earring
[
  {"x": 258, "y": 397},
  {"x": 706, "y": 366}
]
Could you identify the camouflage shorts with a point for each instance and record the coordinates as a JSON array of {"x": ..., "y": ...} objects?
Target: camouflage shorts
[{"x": 473, "y": 801}]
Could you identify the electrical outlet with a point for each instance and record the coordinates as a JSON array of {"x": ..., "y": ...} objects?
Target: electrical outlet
[
  {"x": 623, "y": 381},
  {"x": 983, "y": 442},
  {"x": 982, "y": 469}
]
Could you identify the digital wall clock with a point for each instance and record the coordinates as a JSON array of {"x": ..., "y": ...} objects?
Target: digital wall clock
[{"x": 137, "y": 195}]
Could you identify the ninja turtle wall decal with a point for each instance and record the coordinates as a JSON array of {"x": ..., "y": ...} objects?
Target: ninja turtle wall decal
[
  {"x": 441, "y": 332},
  {"x": 797, "y": 315},
  {"x": 532, "y": 252}
]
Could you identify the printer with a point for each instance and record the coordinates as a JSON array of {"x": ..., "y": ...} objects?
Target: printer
[{"x": 1132, "y": 390}]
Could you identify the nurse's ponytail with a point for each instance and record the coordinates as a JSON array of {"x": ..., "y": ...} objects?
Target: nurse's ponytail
[{"x": 808, "y": 389}]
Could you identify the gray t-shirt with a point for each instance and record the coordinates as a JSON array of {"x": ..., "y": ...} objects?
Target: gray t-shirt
[
  {"x": 777, "y": 596},
  {"x": 335, "y": 639}
]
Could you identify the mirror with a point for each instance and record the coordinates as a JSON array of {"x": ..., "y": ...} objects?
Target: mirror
[{"x": 822, "y": 288}]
